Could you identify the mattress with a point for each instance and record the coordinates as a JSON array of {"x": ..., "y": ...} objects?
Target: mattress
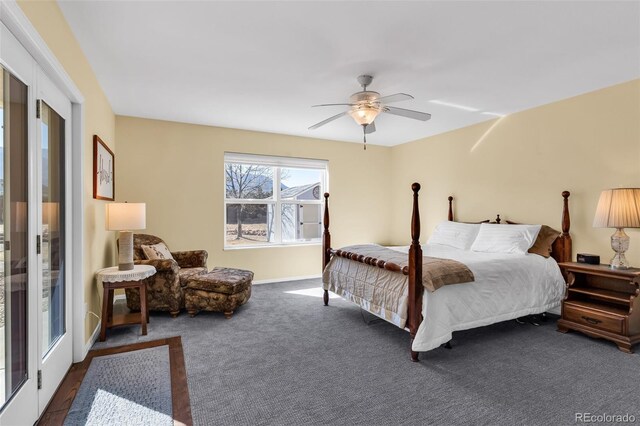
[{"x": 506, "y": 286}]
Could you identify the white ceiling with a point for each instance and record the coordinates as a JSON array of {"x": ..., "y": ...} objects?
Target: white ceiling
[{"x": 261, "y": 65}]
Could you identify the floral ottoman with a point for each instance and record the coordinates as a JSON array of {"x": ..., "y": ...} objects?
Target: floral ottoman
[{"x": 221, "y": 290}]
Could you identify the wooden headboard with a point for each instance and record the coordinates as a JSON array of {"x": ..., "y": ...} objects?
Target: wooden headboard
[{"x": 562, "y": 247}]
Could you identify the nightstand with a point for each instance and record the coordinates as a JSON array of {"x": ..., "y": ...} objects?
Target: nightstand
[{"x": 602, "y": 302}]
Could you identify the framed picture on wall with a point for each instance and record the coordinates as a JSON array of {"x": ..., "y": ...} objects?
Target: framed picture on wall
[{"x": 103, "y": 171}]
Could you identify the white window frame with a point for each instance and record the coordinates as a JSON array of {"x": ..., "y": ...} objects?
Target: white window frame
[{"x": 277, "y": 163}]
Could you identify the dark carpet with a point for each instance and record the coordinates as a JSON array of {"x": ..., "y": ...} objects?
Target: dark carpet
[{"x": 286, "y": 359}]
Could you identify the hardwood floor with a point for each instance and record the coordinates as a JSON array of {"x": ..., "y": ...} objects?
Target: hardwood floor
[{"x": 60, "y": 404}]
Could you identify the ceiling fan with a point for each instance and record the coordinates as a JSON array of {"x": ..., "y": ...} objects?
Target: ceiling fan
[{"x": 364, "y": 107}]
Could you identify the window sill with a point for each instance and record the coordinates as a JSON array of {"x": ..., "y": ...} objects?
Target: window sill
[{"x": 263, "y": 246}]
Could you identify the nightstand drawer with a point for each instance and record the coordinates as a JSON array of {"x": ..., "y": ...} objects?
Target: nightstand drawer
[{"x": 593, "y": 319}]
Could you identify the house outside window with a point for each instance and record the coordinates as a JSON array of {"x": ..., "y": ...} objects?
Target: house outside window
[{"x": 273, "y": 201}]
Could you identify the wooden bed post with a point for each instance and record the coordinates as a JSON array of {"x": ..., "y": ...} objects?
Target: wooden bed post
[
  {"x": 566, "y": 220},
  {"x": 566, "y": 226},
  {"x": 415, "y": 272},
  {"x": 562, "y": 247},
  {"x": 450, "y": 215},
  {"x": 326, "y": 243}
]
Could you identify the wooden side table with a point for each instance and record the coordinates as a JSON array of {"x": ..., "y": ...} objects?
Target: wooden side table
[
  {"x": 602, "y": 302},
  {"x": 114, "y": 279}
]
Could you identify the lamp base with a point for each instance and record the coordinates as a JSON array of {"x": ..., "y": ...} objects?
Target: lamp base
[
  {"x": 619, "y": 244},
  {"x": 125, "y": 255}
]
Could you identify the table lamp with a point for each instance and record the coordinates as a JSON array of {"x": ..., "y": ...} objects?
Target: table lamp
[
  {"x": 125, "y": 217},
  {"x": 618, "y": 208}
]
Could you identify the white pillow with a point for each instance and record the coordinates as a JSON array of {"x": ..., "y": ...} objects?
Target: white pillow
[
  {"x": 454, "y": 234},
  {"x": 494, "y": 238},
  {"x": 156, "y": 251}
]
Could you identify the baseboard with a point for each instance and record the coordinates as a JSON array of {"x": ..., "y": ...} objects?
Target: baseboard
[
  {"x": 92, "y": 340},
  {"x": 96, "y": 331},
  {"x": 281, "y": 280},
  {"x": 117, "y": 297}
]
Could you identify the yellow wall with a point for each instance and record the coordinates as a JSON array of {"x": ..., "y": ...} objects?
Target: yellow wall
[
  {"x": 517, "y": 166},
  {"x": 99, "y": 119},
  {"x": 177, "y": 169}
]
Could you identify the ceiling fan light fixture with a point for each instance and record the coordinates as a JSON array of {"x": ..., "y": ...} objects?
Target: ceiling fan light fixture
[
  {"x": 365, "y": 114},
  {"x": 364, "y": 107}
]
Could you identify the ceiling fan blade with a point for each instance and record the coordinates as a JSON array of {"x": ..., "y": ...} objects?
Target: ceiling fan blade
[
  {"x": 323, "y": 105},
  {"x": 370, "y": 128},
  {"x": 394, "y": 98},
  {"x": 328, "y": 120},
  {"x": 416, "y": 115}
]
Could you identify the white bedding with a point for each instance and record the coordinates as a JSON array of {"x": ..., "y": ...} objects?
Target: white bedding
[{"x": 506, "y": 286}]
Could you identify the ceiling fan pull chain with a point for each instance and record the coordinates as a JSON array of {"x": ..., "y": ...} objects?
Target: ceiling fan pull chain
[{"x": 364, "y": 133}]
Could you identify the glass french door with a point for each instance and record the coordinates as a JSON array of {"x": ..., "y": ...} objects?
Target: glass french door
[
  {"x": 18, "y": 335},
  {"x": 14, "y": 242},
  {"x": 52, "y": 132},
  {"x": 53, "y": 113},
  {"x": 35, "y": 296}
]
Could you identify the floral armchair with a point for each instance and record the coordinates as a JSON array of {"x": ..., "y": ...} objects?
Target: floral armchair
[{"x": 165, "y": 288}]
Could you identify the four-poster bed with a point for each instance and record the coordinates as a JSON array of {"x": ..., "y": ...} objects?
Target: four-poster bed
[{"x": 412, "y": 267}]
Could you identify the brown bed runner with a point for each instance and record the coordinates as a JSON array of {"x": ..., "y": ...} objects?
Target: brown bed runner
[{"x": 436, "y": 272}]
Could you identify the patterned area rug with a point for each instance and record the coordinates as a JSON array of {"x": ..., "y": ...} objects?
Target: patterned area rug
[
  {"x": 138, "y": 384},
  {"x": 132, "y": 388}
]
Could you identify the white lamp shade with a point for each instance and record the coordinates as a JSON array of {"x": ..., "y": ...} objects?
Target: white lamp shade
[
  {"x": 125, "y": 216},
  {"x": 19, "y": 215},
  {"x": 51, "y": 216},
  {"x": 618, "y": 208}
]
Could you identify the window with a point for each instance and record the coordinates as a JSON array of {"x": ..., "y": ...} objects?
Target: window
[{"x": 273, "y": 200}]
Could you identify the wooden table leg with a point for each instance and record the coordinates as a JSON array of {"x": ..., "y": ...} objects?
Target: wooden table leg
[
  {"x": 110, "y": 307},
  {"x": 145, "y": 290},
  {"x": 144, "y": 313},
  {"x": 105, "y": 314}
]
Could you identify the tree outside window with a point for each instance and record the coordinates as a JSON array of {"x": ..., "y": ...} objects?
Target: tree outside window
[{"x": 269, "y": 204}]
